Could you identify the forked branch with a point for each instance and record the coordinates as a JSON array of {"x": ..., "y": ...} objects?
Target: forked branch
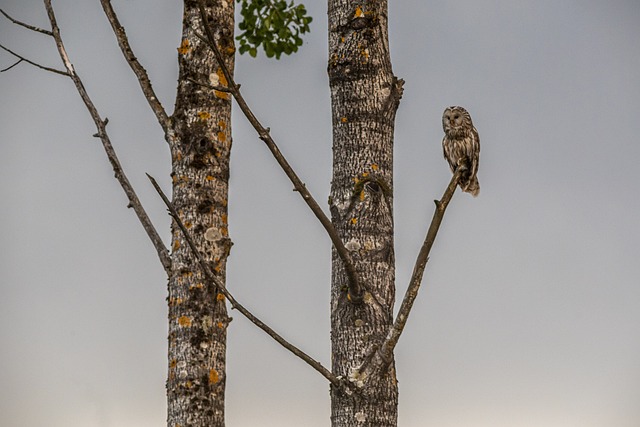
[
  {"x": 138, "y": 69},
  {"x": 356, "y": 289},
  {"x": 35, "y": 64},
  {"x": 22, "y": 24},
  {"x": 134, "y": 201},
  {"x": 219, "y": 285}
]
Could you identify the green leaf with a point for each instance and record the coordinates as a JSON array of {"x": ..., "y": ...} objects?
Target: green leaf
[{"x": 272, "y": 24}]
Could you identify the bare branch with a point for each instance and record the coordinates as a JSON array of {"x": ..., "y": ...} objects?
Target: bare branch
[
  {"x": 138, "y": 69},
  {"x": 418, "y": 270},
  {"x": 134, "y": 202},
  {"x": 384, "y": 354},
  {"x": 22, "y": 58},
  {"x": 22, "y": 24},
  {"x": 11, "y": 66},
  {"x": 219, "y": 285},
  {"x": 355, "y": 285}
]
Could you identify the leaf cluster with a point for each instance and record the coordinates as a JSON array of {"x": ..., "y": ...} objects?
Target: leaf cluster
[{"x": 274, "y": 24}]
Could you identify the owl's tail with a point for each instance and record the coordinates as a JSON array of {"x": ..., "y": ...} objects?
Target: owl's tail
[{"x": 472, "y": 187}]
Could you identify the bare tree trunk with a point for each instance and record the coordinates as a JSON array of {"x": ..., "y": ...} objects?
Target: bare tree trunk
[
  {"x": 364, "y": 95},
  {"x": 200, "y": 144}
]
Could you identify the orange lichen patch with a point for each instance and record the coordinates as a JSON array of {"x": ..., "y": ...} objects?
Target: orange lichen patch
[
  {"x": 187, "y": 274},
  {"x": 224, "y": 231},
  {"x": 343, "y": 119},
  {"x": 173, "y": 363},
  {"x": 374, "y": 166},
  {"x": 188, "y": 384},
  {"x": 213, "y": 376},
  {"x": 222, "y": 125},
  {"x": 223, "y": 82},
  {"x": 175, "y": 301},
  {"x": 184, "y": 321},
  {"x": 185, "y": 47},
  {"x": 204, "y": 115},
  {"x": 361, "y": 196},
  {"x": 217, "y": 268},
  {"x": 209, "y": 178},
  {"x": 222, "y": 137},
  {"x": 342, "y": 39},
  {"x": 220, "y": 297},
  {"x": 176, "y": 245},
  {"x": 224, "y": 218},
  {"x": 223, "y": 79},
  {"x": 358, "y": 13},
  {"x": 182, "y": 178},
  {"x": 365, "y": 174},
  {"x": 223, "y": 203},
  {"x": 220, "y": 325},
  {"x": 178, "y": 156},
  {"x": 188, "y": 224},
  {"x": 196, "y": 286},
  {"x": 354, "y": 220}
]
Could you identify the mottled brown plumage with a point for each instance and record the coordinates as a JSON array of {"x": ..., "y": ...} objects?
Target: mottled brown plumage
[{"x": 461, "y": 145}]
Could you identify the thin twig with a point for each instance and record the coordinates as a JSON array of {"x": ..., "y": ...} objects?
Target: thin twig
[
  {"x": 418, "y": 271},
  {"x": 138, "y": 69},
  {"x": 11, "y": 66},
  {"x": 101, "y": 124},
  {"x": 355, "y": 285},
  {"x": 212, "y": 279},
  {"x": 22, "y": 24},
  {"x": 42, "y": 67}
]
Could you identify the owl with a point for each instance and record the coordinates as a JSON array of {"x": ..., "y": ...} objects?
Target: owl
[{"x": 461, "y": 146}]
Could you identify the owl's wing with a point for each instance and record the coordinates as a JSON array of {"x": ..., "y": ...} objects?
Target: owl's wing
[
  {"x": 447, "y": 147},
  {"x": 474, "y": 155}
]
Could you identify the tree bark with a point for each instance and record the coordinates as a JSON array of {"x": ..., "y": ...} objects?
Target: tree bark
[
  {"x": 200, "y": 142},
  {"x": 364, "y": 98}
]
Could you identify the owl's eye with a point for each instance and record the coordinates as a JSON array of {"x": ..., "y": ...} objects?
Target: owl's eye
[{"x": 457, "y": 116}]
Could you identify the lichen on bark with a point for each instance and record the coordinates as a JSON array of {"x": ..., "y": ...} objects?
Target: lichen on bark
[
  {"x": 363, "y": 101},
  {"x": 200, "y": 143}
]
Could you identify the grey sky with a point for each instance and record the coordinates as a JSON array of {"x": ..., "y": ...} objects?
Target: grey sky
[{"x": 528, "y": 315}]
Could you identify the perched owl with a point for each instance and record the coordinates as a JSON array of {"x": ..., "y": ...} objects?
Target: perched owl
[{"x": 461, "y": 146}]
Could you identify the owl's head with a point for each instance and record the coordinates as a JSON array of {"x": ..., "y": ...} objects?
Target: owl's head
[{"x": 456, "y": 121}]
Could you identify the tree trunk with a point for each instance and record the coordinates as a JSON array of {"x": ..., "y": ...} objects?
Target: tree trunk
[
  {"x": 200, "y": 144},
  {"x": 364, "y": 97}
]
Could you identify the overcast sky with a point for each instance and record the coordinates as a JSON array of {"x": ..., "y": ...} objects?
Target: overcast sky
[{"x": 529, "y": 313}]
